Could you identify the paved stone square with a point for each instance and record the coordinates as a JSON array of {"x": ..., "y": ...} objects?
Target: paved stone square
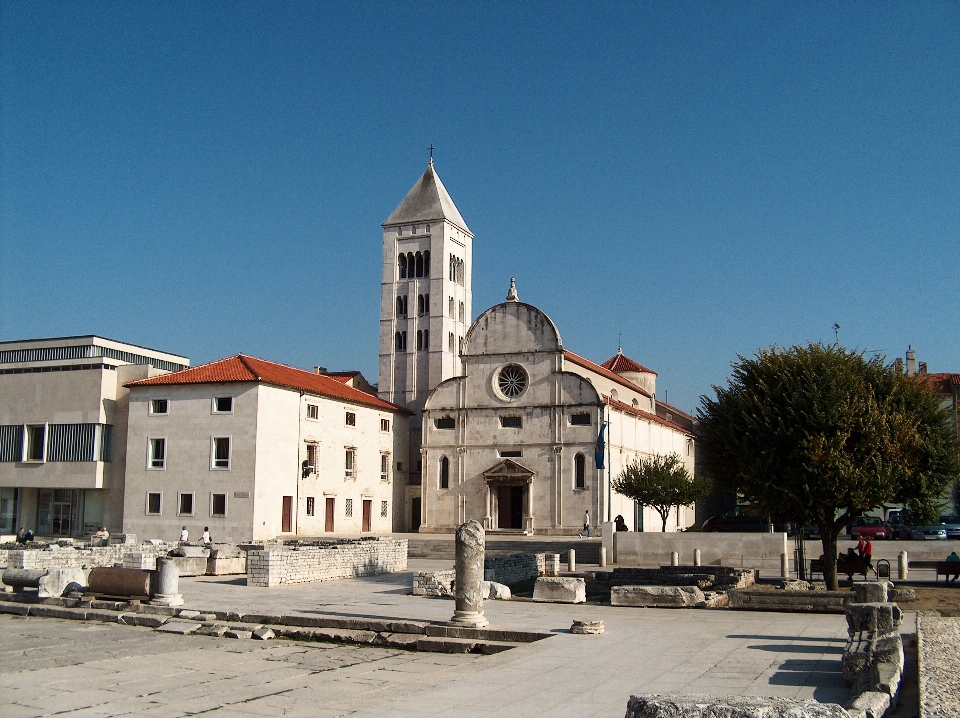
[{"x": 50, "y": 666}]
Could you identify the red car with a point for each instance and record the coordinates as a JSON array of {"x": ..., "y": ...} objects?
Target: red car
[{"x": 870, "y": 527}]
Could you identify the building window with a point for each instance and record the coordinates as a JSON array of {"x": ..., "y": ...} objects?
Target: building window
[
  {"x": 419, "y": 305},
  {"x": 580, "y": 419},
  {"x": 462, "y": 313},
  {"x": 426, "y": 338},
  {"x": 445, "y": 422},
  {"x": 351, "y": 419},
  {"x": 580, "y": 471},
  {"x": 223, "y": 405},
  {"x": 218, "y": 505},
  {"x": 400, "y": 341},
  {"x": 185, "y": 502},
  {"x": 385, "y": 426},
  {"x": 419, "y": 339},
  {"x": 460, "y": 344},
  {"x": 310, "y": 506},
  {"x": 689, "y": 447},
  {"x": 312, "y": 457},
  {"x": 511, "y": 454},
  {"x": 73, "y": 442},
  {"x": 350, "y": 464},
  {"x": 512, "y": 381},
  {"x": 511, "y": 422},
  {"x": 384, "y": 467},
  {"x": 450, "y": 308},
  {"x": 450, "y": 342},
  {"x": 444, "y": 473},
  {"x": 36, "y": 440},
  {"x": 402, "y": 260},
  {"x": 313, "y": 411},
  {"x": 154, "y": 503},
  {"x": 384, "y": 509},
  {"x": 348, "y": 508},
  {"x": 11, "y": 442},
  {"x": 158, "y": 454},
  {"x": 158, "y": 407},
  {"x": 221, "y": 452}
]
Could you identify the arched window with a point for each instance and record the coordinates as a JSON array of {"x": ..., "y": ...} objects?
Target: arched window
[
  {"x": 426, "y": 303},
  {"x": 613, "y": 394},
  {"x": 462, "y": 313},
  {"x": 402, "y": 261},
  {"x": 403, "y": 341},
  {"x": 450, "y": 342},
  {"x": 420, "y": 305},
  {"x": 636, "y": 404},
  {"x": 404, "y": 305},
  {"x": 426, "y": 338},
  {"x": 444, "y": 472},
  {"x": 411, "y": 265},
  {"x": 419, "y": 339},
  {"x": 398, "y": 342},
  {"x": 419, "y": 264},
  {"x": 579, "y": 471},
  {"x": 400, "y": 311},
  {"x": 426, "y": 263}
]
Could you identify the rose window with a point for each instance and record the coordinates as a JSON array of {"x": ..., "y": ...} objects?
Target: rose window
[{"x": 512, "y": 381}]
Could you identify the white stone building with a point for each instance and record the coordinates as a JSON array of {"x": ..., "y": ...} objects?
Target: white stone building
[
  {"x": 255, "y": 449},
  {"x": 511, "y": 442},
  {"x": 63, "y": 424},
  {"x": 425, "y": 310}
]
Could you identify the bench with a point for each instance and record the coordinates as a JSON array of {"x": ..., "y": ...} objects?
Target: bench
[
  {"x": 845, "y": 565},
  {"x": 947, "y": 568}
]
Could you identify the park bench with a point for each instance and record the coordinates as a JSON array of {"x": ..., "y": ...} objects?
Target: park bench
[
  {"x": 845, "y": 565},
  {"x": 947, "y": 568}
]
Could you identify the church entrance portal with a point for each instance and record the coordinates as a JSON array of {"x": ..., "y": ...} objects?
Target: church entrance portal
[{"x": 510, "y": 500}]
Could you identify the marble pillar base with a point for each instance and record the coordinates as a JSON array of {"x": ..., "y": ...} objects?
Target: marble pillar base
[
  {"x": 468, "y": 619},
  {"x": 167, "y": 599}
]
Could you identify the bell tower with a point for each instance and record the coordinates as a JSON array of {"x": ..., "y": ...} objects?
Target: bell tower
[{"x": 425, "y": 298}]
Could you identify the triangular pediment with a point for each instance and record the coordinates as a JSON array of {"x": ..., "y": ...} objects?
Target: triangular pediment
[{"x": 507, "y": 469}]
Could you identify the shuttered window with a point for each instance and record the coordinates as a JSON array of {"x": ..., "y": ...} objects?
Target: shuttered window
[{"x": 11, "y": 442}]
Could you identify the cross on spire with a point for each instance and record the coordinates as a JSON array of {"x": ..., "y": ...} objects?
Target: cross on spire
[{"x": 431, "y": 154}]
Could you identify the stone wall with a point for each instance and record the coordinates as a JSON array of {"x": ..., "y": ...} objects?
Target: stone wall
[
  {"x": 55, "y": 556},
  {"x": 937, "y": 640},
  {"x": 325, "y": 561},
  {"x": 434, "y": 583},
  {"x": 722, "y": 578},
  {"x": 514, "y": 568},
  {"x": 742, "y": 550}
]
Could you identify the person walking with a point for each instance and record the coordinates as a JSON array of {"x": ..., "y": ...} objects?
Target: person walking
[
  {"x": 586, "y": 525},
  {"x": 866, "y": 556}
]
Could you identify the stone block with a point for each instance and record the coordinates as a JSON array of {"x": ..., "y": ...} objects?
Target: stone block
[
  {"x": 78, "y": 614},
  {"x": 885, "y": 677},
  {"x": 264, "y": 634},
  {"x": 657, "y": 596},
  {"x": 17, "y": 609},
  {"x": 401, "y": 640},
  {"x": 871, "y": 592},
  {"x": 872, "y": 704},
  {"x": 190, "y": 565},
  {"x": 875, "y": 617},
  {"x": 188, "y": 613},
  {"x": 901, "y": 595},
  {"x": 703, "y": 706},
  {"x": 181, "y": 628},
  {"x": 857, "y": 657},
  {"x": 446, "y": 645},
  {"x": 216, "y": 630},
  {"x": 789, "y": 601},
  {"x": 560, "y": 590},
  {"x": 144, "y": 619},
  {"x": 237, "y": 634},
  {"x": 497, "y": 591},
  {"x": 99, "y": 614},
  {"x": 585, "y": 628}
]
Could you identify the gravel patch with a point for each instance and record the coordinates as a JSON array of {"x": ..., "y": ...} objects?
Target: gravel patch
[{"x": 938, "y": 643}]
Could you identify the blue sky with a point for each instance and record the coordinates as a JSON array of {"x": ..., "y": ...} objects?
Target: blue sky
[{"x": 706, "y": 178}]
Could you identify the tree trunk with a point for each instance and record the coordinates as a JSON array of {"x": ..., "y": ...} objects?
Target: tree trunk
[
  {"x": 665, "y": 516},
  {"x": 829, "y": 540}
]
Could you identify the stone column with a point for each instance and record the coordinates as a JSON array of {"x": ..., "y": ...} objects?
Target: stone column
[
  {"x": 603, "y": 557},
  {"x": 168, "y": 584},
  {"x": 784, "y": 566},
  {"x": 696, "y": 557},
  {"x": 572, "y": 560},
  {"x": 674, "y": 559},
  {"x": 468, "y": 589},
  {"x": 903, "y": 566}
]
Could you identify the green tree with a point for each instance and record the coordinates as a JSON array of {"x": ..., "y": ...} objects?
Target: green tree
[
  {"x": 820, "y": 434},
  {"x": 662, "y": 481}
]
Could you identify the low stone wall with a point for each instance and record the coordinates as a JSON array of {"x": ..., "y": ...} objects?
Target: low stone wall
[
  {"x": 723, "y": 578},
  {"x": 873, "y": 658},
  {"x": 939, "y": 663},
  {"x": 514, "y": 568},
  {"x": 325, "y": 561},
  {"x": 789, "y": 601},
  {"x": 434, "y": 583},
  {"x": 55, "y": 556},
  {"x": 741, "y": 550},
  {"x": 703, "y": 706}
]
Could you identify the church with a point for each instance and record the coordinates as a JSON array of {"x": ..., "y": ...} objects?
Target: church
[{"x": 508, "y": 427}]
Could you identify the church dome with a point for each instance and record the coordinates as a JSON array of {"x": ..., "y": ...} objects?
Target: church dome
[{"x": 512, "y": 327}]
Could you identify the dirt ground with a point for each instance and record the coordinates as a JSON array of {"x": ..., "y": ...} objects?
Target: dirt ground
[{"x": 944, "y": 598}]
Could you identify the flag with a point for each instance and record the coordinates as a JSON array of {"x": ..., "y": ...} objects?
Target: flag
[{"x": 598, "y": 454}]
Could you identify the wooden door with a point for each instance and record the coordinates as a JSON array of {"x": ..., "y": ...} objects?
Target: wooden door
[
  {"x": 415, "y": 516},
  {"x": 367, "y": 507},
  {"x": 286, "y": 521},
  {"x": 328, "y": 516}
]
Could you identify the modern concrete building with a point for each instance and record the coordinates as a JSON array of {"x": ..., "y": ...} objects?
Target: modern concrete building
[
  {"x": 255, "y": 449},
  {"x": 512, "y": 441},
  {"x": 63, "y": 423},
  {"x": 425, "y": 309}
]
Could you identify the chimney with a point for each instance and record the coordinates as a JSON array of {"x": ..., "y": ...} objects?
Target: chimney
[
  {"x": 898, "y": 365},
  {"x": 911, "y": 362},
  {"x": 319, "y": 370}
]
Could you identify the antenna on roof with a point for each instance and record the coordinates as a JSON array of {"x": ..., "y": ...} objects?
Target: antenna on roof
[
  {"x": 619, "y": 343},
  {"x": 836, "y": 332}
]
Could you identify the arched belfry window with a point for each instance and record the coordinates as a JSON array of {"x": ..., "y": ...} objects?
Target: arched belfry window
[
  {"x": 580, "y": 471},
  {"x": 426, "y": 263},
  {"x": 420, "y": 305},
  {"x": 419, "y": 264},
  {"x": 419, "y": 339},
  {"x": 398, "y": 342},
  {"x": 402, "y": 262},
  {"x": 444, "y": 472},
  {"x": 400, "y": 307},
  {"x": 411, "y": 265}
]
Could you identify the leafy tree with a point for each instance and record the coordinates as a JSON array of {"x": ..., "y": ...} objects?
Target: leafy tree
[
  {"x": 819, "y": 434},
  {"x": 662, "y": 481}
]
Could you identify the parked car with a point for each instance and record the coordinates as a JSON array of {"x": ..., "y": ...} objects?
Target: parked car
[
  {"x": 922, "y": 533},
  {"x": 952, "y": 524},
  {"x": 870, "y": 527},
  {"x": 742, "y": 518}
]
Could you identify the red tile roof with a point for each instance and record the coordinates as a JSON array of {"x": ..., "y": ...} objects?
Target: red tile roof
[
  {"x": 603, "y": 371},
  {"x": 942, "y": 383},
  {"x": 626, "y": 408},
  {"x": 241, "y": 368},
  {"x": 621, "y": 363}
]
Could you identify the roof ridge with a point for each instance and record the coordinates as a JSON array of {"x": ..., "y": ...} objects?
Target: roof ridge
[{"x": 243, "y": 360}]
